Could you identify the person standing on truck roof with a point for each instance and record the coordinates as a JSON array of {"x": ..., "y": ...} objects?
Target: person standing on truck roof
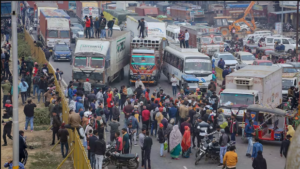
[
  {"x": 87, "y": 86},
  {"x": 142, "y": 26},
  {"x": 92, "y": 27},
  {"x": 181, "y": 39},
  {"x": 110, "y": 26},
  {"x": 87, "y": 27},
  {"x": 97, "y": 27},
  {"x": 102, "y": 27},
  {"x": 186, "y": 38}
]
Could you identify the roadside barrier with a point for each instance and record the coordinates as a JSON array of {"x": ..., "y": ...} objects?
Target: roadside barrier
[{"x": 76, "y": 149}]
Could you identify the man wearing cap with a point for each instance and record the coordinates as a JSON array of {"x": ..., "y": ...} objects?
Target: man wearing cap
[
  {"x": 142, "y": 27},
  {"x": 110, "y": 25},
  {"x": 87, "y": 86}
]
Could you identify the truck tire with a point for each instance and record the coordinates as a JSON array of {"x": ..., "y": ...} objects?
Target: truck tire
[{"x": 224, "y": 31}]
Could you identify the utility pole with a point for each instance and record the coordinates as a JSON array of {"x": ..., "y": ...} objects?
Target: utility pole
[{"x": 14, "y": 22}]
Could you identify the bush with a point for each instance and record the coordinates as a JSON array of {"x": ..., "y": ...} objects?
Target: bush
[
  {"x": 41, "y": 116},
  {"x": 23, "y": 47}
]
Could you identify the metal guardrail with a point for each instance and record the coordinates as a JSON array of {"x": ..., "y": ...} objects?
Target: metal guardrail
[{"x": 76, "y": 148}]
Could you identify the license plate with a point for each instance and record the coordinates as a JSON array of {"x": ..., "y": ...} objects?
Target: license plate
[
  {"x": 142, "y": 77},
  {"x": 62, "y": 57}
]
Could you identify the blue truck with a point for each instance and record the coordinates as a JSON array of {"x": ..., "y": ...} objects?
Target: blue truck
[{"x": 5, "y": 10}]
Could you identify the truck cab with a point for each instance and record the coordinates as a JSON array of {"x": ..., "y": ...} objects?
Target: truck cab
[{"x": 209, "y": 43}]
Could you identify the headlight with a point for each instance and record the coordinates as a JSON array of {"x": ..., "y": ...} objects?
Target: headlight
[
  {"x": 154, "y": 73},
  {"x": 131, "y": 72}
]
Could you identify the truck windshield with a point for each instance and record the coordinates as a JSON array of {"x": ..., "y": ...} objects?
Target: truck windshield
[
  {"x": 227, "y": 57},
  {"x": 52, "y": 34},
  {"x": 65, "y": 34},
  {"x": 96, "y": 62},
  {"x": 248, "y": 57},
  {"x": 233, "y": 99},
  {"x": 206, "y": 40},
  {"x": 197, "y": 65},
  {"x": 289, "y": 70},
  {"x": 142, "y": 60},
  {"x": 217, "y": 39},
  {"x": 286, "y": 84},
  {"x": 80, "y": 62}
]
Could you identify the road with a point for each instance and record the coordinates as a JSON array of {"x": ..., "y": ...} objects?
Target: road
[{"x": 271, "y": 150}]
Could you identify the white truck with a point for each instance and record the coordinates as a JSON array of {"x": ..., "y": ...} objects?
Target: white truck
[
  {"x": 154, "y": 27},
  {"x": 251, "y": 85},
  {"x": 102, "y": 61}
]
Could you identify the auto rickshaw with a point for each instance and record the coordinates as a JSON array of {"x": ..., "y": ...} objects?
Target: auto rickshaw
[
  {"x": 270, "y": 124},
  {"x": 279, "y": 57},
  {"x": 252, "y": 48},
  {"x": 263, "y": 51},
  {"x": 190, "y": 80}
]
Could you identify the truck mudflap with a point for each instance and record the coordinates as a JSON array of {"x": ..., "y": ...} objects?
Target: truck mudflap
[{"x": 145, "y": 79}]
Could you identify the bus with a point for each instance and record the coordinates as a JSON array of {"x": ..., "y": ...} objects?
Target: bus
[
  {"x": 172, "y": 33},
  {"x": 182, "y": 61}
]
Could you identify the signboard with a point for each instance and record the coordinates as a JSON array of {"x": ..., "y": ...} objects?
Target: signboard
[
  {"x": 87, "y": 46},
  {"x": 288, "y": 3},
  {"x": 157, "y": 29},
  {"x": 58, "y": 24},
  {"x": 257, "y": 7},
  {"x": 278, "y": 27}
]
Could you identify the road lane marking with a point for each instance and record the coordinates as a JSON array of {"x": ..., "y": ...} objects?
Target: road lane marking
[{"x": 184, "y": 167}]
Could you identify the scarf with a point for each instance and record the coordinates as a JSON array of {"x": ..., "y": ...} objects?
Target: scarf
[
  {"x": 186, "y": 140},
  {"x": 175, "y": 137}
]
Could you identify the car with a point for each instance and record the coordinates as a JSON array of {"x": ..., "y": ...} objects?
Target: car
[
  {"x": 289, "y": 43},
  {"x": 262, "y": 62},
  {"x": 296, "y": 65},
  {"x": 78, "y": 25},
  {"x": 61, "y": 51},
  {"x": 79, "y": 34},
  {"x": 74, "y": 31},
  {"x": 245, "y": 57},
  {"x": 228, "y": 58}
]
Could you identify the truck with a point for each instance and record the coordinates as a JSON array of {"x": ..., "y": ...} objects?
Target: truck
[
  {"x": 102, "y": 61},
  {"x": 251, "y": 85},
  {"x": 54, "y": 27},
  {"x": 156, "y": 28},
  {"x": 208, "y": 40},
  {"x": 43, "y": 5},
  {"x": 146, "y": 11},
  {"x": 146, "y": 59},
  {"x": 87, "y": 8},
  {"x": 5, "y": 9}
]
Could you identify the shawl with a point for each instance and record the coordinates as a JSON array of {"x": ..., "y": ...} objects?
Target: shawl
[
  {"x": 175, "y": 137},
  {"x": 186, "y": 140},
  {"x": 291, "y": 131}
]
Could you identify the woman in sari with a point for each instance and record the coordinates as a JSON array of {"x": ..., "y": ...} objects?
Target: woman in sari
[
  {"x": 175, "y": 140},
  {"x": 186, "y": 142}
]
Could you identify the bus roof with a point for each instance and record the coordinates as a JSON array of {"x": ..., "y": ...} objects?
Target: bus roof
[{"x": 184, "y": 53}]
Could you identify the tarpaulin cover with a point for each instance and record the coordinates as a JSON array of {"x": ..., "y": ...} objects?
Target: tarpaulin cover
[
  {"x": 120, "y": 14},
  {"x": 54, "y": 13},
  {"x": 238, "y": 5}
]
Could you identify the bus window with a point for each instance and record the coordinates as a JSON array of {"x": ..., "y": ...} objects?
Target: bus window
[{"x": 180, "y": 64}]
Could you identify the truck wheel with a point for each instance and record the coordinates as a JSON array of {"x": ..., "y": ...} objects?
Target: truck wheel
[{"x": 224, "y": 31}]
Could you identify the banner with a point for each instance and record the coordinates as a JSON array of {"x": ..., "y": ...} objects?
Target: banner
[
  {"x": 257, "y": 7},
  {"x": 157, "y": 29},
  {"x": 278, "y": 27}
]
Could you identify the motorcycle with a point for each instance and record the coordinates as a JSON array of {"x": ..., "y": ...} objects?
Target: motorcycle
[
  {"x": 131, "y": 161},
  {"x": 209, "y": 149}
]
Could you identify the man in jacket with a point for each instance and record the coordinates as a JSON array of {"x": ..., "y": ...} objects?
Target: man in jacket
[
  {"x": 29, "y": 113},
  {"x": 92, "y": 147},
  {"x": 249, "y": 130},
  {"x": 7, "y": 122},
  {"x": 173, "y": 111},
  {"x": 161, "y": 139},
  {"x": 119, "y": 142},
  {"x": 48, "y": 96},
  {"x": 181, "y": 39},
  {"x": 141, "y": 143},
  {"x": 22, "y": 147},
  {"x": 110, "y": 104},
  {"x": 135, "y": 126},
  {"x": 233, "y": 128},
  {"x": 28, "y": 81},
  {"x": 92, "y": 27},
  {"x": 221, "y": 63},
  {"x": 97, "y": 27},
  {"x": 223, "y": 141},
  {"x": 147, "y": 148},
  {"x": 127, "y": 112},
  {"x": 125, "y": 141},
  {"x": 99, "y": 96},
  {"x": 79, "y": 104},
  {"x": 285, "y": 146},
  {"x": 145, "y": 117},
  {"x": 116, "y": 112},
  {"x": 110, "y": 25},
  {"x": 257, "y": 146},
  {"x": 55, "y": 127},
  {"x": 186, "y": 38},
  {"x": 183, "y": 112},
  {"x": 102, "y": 27},
  {"x": 139, "y": 91},
  {"x": 100, "y": 148},
  {"x": 87, "y": 27},
  {"x": 43, "y": 85},
  {"x": 6, "y": 87},
  {"x": 114, "y": 127},
  {"x": 142, "y": 27},
  {"x": 63, "y": 135},
  {"x": 87, "y": 86}
]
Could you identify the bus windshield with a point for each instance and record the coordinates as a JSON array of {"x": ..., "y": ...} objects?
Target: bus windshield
[
  {"x": 233, "y": 99},
  {"x": 143, "y": 60},
  {"x": 96, "y": 62},
  {"x": 197, "y": 65},
  {"x": 80, "y": 62}
]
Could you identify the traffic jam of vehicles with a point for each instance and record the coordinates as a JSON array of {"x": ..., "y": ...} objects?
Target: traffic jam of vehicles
[{"x": 251, "y": 67}]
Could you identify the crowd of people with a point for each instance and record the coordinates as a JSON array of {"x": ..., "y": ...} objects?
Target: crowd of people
[{"x": 99, "y": 25}]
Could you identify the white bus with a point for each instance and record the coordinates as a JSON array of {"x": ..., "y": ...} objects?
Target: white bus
[
  {"x": 172, "y": 33},
  {"x": 181, "y": 61}
]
